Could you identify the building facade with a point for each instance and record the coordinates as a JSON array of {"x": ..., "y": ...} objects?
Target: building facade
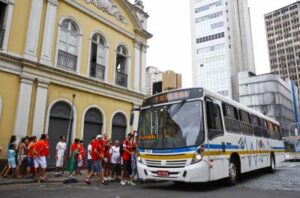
[
  {"x": 158, "y": 81},
  {"x": 269, "y": 95},
  {"x": 71, "y": 66},
  {"x": 283, "y": 36},
  {"x": 221, "y": 44}
]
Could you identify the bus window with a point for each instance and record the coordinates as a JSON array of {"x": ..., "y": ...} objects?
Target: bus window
[
  {"x": 231, "y": 119},
  {"x": 214, "y": 120},
  {"x": 277, "y": 132},
  {"x": 255, "y": 126},
  {"x": 263, "y": 128},
  {"x": 245, "y": 123},
  {"x": 271, "y": 130}
]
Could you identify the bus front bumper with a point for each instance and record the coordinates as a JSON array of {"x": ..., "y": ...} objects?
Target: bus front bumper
[{"x": 198, "y": 172}]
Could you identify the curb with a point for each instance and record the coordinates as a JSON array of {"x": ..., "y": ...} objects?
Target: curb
[{"x": 33, "y": 182}]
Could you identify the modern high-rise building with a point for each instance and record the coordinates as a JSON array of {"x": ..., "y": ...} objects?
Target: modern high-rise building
[
  {"x": 221, "y": 44},
  {"x": 283, "y": 35}
]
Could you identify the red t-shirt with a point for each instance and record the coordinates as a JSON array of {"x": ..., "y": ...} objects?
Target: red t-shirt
[
  {"x": 41, "y": 147},
  {"x": 97, "y": 146},
  {"x": 73, "y": 148},
  {"x": 127, "y": 146},
  {"x": 47, "y": 149},
  {"x": 30, "y": 150},
  {"x": 81, "y": 151}
]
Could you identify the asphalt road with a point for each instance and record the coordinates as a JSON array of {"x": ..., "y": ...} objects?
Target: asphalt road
[{"x": 284, "y": 183}]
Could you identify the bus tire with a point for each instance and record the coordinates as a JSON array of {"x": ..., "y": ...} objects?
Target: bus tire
[
  {"x": 233, "y": 173},
  {"x": 272, "y": 167}
]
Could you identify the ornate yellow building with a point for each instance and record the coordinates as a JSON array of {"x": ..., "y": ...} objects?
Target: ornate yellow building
[{"x": 70, "y": 65}]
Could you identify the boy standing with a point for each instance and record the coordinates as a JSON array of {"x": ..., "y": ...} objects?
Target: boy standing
[
  {"x": 60, "y": 155},
  {"x": 115, "y": 160},
  {"x": 41, "y": 150},
  {"x": 127, "y": 151}
]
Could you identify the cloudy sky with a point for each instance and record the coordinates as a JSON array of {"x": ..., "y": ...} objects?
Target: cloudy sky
[{"x": 170, "y": 47}]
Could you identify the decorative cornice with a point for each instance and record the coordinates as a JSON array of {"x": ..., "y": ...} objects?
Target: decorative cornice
[{"x": 109, "y": 7}]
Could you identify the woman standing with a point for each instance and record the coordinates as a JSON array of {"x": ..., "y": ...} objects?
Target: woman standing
[
  {"x": 11, "y": 142},
  {"x": 22, "y": 156}
]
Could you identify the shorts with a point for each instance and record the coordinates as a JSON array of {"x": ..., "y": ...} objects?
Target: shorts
[
  {"x": 60, "y": 161},
  {"x": 127, "y": 166},
  {"x": 12, "y": 164},
  {"x": 97, "y": 166},
  {"x": 116, "y": 168},
  {"x": 40, "y": 162},
  {"x": 89, "y": 164},
  {"x": 30, "y": 162}
]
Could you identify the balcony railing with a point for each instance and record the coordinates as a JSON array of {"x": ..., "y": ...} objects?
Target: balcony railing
[
  {"x": 66, "y": 60},
  {"x": 97, "y": 71},
  {"x": 2, "y": 32},
  {"x": 121, "y": 79}
]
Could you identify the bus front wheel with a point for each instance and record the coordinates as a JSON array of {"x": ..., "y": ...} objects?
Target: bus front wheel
[
  {"x": 233, "y": 173},
  {"x": 272, "y": 167}
]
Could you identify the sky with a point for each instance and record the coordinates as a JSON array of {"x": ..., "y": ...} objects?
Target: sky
[{"x": 170, "y": 47}]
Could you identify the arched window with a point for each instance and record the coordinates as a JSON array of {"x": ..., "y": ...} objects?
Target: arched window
[
  {"x": 122, "y": 66},
  {"x": 68, "y": 45},
  {"x": 98, "y": 57}
]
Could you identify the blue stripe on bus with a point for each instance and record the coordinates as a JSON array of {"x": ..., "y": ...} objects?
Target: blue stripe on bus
[
  {"x": 176, "y": 150},
  {"x": 189, "y": 149},
  {"x": 219, "y": 146},
  {"x": 278, "y": 147}
]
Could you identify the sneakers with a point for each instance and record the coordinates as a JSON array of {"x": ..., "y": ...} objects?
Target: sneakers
[
  {"x": 88, "y": 182},
  {"x": 123, "y": 182},
  {"x": 131, "y": 183}
]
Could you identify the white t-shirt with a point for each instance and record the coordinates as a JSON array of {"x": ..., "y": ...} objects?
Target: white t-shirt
[
  {"x": 61, "y": 148},
  {"x": 89, "y": 150},
  {"x": 115, "y": 155}
]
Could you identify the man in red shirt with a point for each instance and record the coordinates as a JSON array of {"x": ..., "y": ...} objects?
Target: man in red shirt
[
  {"x": 126, "y": 157},
  {"x": 97, "y": 156},
  {"x": 41, "y": 150},
  {"x": 30, "y": 155}
]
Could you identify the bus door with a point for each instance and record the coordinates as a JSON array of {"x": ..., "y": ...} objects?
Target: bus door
[{"x": 215, "y": 140}]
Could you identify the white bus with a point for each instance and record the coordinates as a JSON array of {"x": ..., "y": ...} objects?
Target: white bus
[
  {"x": 292, "y": 148},
  {"x": 194, "y": 135}
]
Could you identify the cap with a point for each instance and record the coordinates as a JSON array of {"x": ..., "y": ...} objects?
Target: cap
[{"x": 98, "y": 136}]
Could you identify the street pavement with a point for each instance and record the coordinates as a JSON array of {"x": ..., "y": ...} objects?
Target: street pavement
[{"x": 284, "y": 183}]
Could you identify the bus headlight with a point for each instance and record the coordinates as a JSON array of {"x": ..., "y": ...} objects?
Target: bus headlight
[
  {"x": 198, "y": 155},
  {"x": 139, "y": 159}
]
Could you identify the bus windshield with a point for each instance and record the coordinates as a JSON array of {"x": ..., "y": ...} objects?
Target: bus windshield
[{"x": 171, "y": 126}]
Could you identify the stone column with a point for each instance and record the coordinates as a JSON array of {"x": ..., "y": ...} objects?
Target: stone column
[
  {"x": 23, "y": 108},
  {"x": 143, "y": 69},
  {"x": 49, "y": 32},
  {"x": 40, "y": 108},
  {"x": 33, "y": 30},
  {"x": 137, "y": 66}
]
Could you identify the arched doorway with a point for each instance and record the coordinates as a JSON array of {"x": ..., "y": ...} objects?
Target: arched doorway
[
  {"x": 59, "y": 123},
  {"x": 119, "y": 126},
  {"x": 93, "y": 122}
]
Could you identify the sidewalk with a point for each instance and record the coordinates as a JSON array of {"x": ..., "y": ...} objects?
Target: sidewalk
[{"x": 50, "y": 179}]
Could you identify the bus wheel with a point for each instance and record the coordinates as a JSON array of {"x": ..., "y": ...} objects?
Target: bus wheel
[
  {"x": 272, "y": 166},
  {"x": 233, "y": 173}
]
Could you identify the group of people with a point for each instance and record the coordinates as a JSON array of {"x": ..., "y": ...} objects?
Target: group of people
[
  {"x": 110, "y": 161},
  {"x": 27, "y": 158}
]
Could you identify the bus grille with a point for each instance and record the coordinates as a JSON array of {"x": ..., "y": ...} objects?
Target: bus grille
[{"x": 166, "y": 163}]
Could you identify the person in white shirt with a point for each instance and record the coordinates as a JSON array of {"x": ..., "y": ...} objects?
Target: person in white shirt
[
  {"x": 60, "y": 155},
  {"x": 89, "y": 157},
  {"x": 115, "y": 160}
]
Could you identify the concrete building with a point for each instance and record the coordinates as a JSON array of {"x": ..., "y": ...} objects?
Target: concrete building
[
  {"x": 270, "y": 95},
  {"x": 70, "y": 66},
  {"x": 158, "y": 81},
  {"x": 221, "y": 44},
  {"x": 283, "y": 35}
]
